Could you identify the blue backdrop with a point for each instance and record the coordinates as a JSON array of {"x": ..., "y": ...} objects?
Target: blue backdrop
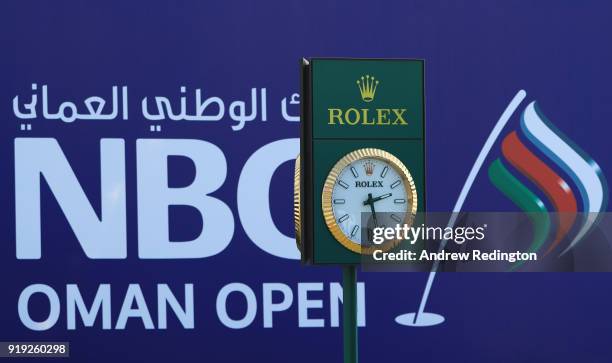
[{"x": 478, "y": 55}]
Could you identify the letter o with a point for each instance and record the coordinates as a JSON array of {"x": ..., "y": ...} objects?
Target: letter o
[
  {"x": 251, "y": 305},
  {"x": 54, "y": 307},
  {"x": 348, "y": 117}
]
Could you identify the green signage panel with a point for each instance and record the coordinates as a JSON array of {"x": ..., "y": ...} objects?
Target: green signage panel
[{"x": 362, "y": 151}]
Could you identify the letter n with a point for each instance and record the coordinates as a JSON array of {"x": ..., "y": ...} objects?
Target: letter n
[{"x": 103, "y": 237}]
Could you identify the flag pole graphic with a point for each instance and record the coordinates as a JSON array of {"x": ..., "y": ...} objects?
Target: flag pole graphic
[{"x": 422, "y": 318}]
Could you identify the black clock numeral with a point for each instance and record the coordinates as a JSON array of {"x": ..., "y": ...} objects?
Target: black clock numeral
[
  {"x": 384, "y": 172},
  {"x": 395, "y": 183},
  {"x": 343, "y": 218},
  {"x": 343, "y": 184}
]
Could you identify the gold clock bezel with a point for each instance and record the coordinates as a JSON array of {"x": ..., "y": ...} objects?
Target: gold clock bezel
[
  {"x": 332, "y": 177},
  {"x": 297, "y": 207}
]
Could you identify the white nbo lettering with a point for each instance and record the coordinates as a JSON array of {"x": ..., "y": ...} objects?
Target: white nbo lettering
[{"x": 105, "y": 237}]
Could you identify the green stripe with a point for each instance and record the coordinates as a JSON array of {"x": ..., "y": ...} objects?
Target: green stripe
[{"x": 526, "y": 200}]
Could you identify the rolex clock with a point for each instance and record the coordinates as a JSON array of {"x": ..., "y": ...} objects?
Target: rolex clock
[
  {"x": 297, "y": 207},
  {"x": 367, "y": 182},
  {"x": 362, "y": 155}
]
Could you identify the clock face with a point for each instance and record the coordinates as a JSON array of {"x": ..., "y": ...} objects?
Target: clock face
[{"x": 373, "y": 182}]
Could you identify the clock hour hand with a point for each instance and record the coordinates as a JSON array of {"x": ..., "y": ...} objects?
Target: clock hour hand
[{"x": 370, "y": 201}]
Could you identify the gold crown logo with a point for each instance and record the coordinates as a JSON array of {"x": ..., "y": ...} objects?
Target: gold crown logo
[
  {"x": 369, "y": 167},
  {"x": 367, "y": 87}
]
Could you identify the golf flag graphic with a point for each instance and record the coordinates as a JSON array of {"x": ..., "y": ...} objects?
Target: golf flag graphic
[
  {"x": 578, "y": 168},
  {"x": 568, "y": 178}
]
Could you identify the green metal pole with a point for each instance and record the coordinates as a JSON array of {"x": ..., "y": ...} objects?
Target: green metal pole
[{"x": 349, "y": 309}]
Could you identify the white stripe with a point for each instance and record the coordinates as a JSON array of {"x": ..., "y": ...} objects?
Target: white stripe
[
  {"x": 486, "y": 148},
  {"x": 579, "y": 169}
]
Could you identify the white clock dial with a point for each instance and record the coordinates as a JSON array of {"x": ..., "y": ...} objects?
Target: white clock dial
[
  {"x": 364, "y": 186},
  {"x": 371, "y": 181}
]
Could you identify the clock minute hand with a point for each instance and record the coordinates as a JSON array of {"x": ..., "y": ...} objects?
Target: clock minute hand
[{"x": 380, "y": 197}]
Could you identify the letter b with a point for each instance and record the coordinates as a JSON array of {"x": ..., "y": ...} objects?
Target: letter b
[{"x": 154, "y": 197}]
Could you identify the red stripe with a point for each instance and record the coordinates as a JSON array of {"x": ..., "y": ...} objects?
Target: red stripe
[{"x": 555, "y": 188}]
